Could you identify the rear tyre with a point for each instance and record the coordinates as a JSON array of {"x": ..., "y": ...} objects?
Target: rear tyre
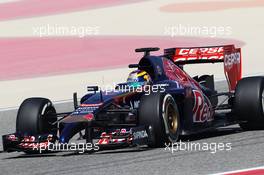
[
  {"x": 160, "y": 114},
  {"x": 35, "y": 116},
  {"x": 249, "y": 103}
]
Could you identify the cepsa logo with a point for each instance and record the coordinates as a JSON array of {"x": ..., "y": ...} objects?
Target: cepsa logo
[
  {"x": 201, "y": 110},
  {"x": 199, "y": 53},
  {"x": 231, "y": 60}
]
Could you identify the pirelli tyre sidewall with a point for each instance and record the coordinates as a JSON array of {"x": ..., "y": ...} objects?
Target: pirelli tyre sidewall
[
  {"x": 249, "y": 103},
  {"x": 35, "y": 116},
  {"x": 160, "y": 114}
]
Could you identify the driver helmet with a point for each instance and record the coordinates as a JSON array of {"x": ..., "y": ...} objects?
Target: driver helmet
[{"x": 138, "y": 78}]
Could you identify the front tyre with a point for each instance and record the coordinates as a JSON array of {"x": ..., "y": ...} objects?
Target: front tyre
[
  {"x": 160, "y": 114},
  {"x": 35, "y": 116}
]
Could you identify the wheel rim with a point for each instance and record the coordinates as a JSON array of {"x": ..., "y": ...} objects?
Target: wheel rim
[{"x": 172, "y": 119}]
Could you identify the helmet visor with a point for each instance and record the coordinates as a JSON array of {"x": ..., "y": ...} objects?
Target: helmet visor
[{"x": 135, "y": 84}]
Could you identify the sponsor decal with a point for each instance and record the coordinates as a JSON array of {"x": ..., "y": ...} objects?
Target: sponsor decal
[
  {"x": 195, "y": 51},
  {"x": 116, "y": 136},
  {"x": 231, "y": 60},
  {"x": 140, "y": 134},
  {"x": 85, "y": 110},
  {"x": 89, "y": 117},
  {"x": 103, "y": 141},
  {"x": 202, "y": 108},
  {"x": 207, "y": 53},
  {"x": 91, "y": 105}
]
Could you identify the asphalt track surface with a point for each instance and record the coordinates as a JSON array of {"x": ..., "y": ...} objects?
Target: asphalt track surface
[{"x": 246, "y": 152}]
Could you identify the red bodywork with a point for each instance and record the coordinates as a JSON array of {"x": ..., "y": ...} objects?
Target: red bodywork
[{"x": 228, "y": 54}]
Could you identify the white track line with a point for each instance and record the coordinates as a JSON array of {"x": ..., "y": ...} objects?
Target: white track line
[
  {"x": 241, "y": 170},
  {"x": 7, "y": 1},
  {"x": 54, "y": 102}
]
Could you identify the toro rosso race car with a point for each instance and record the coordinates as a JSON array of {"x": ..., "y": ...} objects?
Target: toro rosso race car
[{"x": 158, "y": 103}]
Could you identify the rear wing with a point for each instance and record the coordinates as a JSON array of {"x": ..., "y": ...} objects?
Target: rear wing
[{"x": 227, "y": 54}]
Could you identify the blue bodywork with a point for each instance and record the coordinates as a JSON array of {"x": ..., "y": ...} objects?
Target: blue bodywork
[{"x": 157, "y": 67}]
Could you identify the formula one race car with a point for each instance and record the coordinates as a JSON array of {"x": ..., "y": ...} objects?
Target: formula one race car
[{"x": 158, "y": 103}]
